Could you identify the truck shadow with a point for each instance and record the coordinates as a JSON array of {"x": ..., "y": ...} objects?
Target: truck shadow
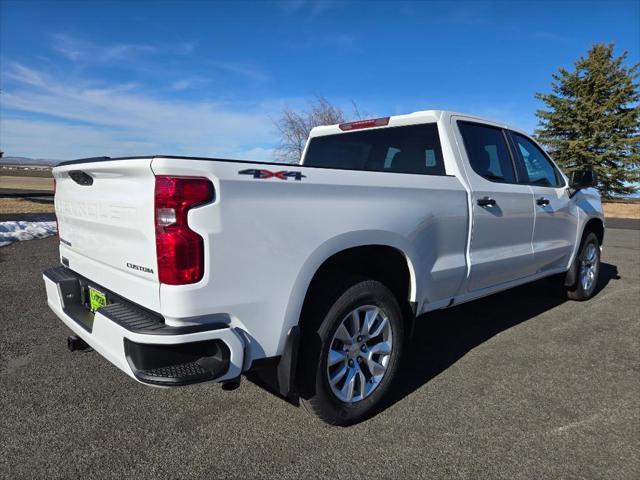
[{"x": 442, "y": 337}]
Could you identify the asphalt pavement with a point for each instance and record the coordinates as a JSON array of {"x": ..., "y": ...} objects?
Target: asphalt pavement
[{"x": 519, "y": 385}]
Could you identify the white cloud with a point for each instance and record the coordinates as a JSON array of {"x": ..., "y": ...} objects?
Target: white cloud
[
  {"x": 240, "y": 69},
  {"x": 26, "y": 76},
  {"x": 546, "y": 35},
  {"x": 260, "y": 154},
  {"x": 50, "y": 139},
  {"x": 343, "y": 42},
  {"x": 80, "y": 118},
  {"x": 310, "y": 7},
  {"x": 85, "y": 53},
  {"x": 347, "y": 43},
  {"x": 79, "y": 50},
  {"x": 188, "y": 83}
]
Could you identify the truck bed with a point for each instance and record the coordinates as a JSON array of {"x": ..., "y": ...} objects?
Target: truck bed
[{"x": 259, "y": 234}]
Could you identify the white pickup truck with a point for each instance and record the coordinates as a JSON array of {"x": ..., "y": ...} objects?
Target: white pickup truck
[{"x": 187, "y": 270}]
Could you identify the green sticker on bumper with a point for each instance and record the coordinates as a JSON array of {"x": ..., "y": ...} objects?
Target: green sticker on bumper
[{"x": 97, "y": 299}]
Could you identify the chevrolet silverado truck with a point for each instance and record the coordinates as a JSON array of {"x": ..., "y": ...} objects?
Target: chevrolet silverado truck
[{"x": 188, "y": 270}]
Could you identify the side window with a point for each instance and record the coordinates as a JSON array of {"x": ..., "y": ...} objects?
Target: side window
[
  {"x": 430, "y": 158},
  {"x": 391, "y": 153},
  {"x": 537, "y": 166},
  {"x": 488, "y": 152},
  {"x": 430, "y": 161}
]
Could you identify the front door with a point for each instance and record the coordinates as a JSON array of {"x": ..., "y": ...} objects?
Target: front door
[
  {"x": 500, "y": 250},
  {"x": 556, "y": 218}
]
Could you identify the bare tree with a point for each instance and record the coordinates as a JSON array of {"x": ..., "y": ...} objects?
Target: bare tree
[{"x": 294, "y": 127}]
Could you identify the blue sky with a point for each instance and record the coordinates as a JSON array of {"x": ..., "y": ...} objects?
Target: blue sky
[{"x": 207, "y": 78}]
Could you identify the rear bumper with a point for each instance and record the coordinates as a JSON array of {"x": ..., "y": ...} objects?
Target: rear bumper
[{"x": 139, "y": 343}]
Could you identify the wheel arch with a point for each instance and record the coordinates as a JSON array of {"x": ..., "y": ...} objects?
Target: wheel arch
[
  {"x": 336, "y": 247},
  {"x": 384, "y": 263},
  {"x": 348, "y": 249},
  {"x": 595, "y": 225}
]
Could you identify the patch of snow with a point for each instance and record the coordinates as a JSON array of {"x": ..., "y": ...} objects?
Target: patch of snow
[{"x": 14, "y": 231}]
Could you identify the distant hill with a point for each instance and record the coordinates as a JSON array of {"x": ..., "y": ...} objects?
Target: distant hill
[{"x": 28, "y": 162}]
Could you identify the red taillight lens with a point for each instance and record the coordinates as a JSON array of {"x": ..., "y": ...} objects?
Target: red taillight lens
[{"x": 180, "y": 250}]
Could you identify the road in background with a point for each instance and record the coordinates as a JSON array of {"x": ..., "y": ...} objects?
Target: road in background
[
  {"x": 623, "y": 223},
  {"x": 519, "y": 385}
]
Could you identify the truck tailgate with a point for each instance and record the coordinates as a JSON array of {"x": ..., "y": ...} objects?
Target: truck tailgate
[{"x": 105, "y": 213}]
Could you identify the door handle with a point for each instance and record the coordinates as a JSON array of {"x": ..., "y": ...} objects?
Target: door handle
[
  {"x": 486, "y": 202},
  {"x": 543, "y": 202}
]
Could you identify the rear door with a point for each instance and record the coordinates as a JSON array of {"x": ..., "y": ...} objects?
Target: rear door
[
  {"x": 556, "y": 217},
  {"x": 502, "y": 209}
]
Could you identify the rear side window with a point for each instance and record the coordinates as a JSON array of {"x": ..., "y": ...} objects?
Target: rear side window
[
  {"x": 540, "y": 171},
  {"x": 488, "y": 152},
  {"x": 411, "y": 149}
]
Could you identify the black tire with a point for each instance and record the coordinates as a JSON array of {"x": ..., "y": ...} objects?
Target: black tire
[
  {"x": 330, "y": 308},
  {"x": 577, "y": 291}
]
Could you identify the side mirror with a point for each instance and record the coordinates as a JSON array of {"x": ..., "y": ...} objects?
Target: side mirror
[{"x": 583, "y": 179}]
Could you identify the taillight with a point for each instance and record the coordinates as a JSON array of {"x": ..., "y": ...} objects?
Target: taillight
[
  {"x": 180, "y": 250},
  {"x": 369, "y": 123}
]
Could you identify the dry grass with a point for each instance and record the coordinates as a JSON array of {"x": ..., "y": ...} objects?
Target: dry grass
[
  {"x": 26, "y": 183},
  {"x": 621, "y": 210},
  {"x": 25, "y": 205},
  {"x": 6, "y": 171}
]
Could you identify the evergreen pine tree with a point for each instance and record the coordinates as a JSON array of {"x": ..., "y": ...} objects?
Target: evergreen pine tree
[{"x": 592, "y": 120}]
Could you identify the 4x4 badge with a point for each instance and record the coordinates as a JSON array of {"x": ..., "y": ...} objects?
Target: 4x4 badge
[{"x": 262, "y": 174}]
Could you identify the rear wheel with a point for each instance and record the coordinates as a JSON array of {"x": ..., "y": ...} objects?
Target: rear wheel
[
  {"x": 587, "y": 269},
  {"x": 357, "y": 349}
]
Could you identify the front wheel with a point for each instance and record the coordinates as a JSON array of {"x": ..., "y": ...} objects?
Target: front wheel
[
  {"x": 358, "y": 346},
  {"x": 588, "y": 269}
]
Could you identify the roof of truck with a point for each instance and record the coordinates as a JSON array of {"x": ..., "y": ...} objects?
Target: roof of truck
[{"x": 420, "y": 116}]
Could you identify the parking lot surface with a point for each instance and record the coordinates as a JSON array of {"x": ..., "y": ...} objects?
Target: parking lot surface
[{"x": 517, "y": 385}]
